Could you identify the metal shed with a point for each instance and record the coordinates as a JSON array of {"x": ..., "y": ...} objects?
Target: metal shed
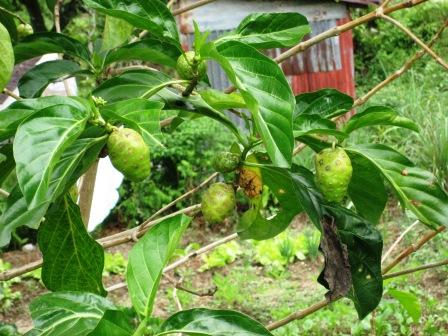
[{"x": 327, "y": 64}]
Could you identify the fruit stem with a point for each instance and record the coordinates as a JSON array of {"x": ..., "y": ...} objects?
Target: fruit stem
[{"x": 190, "y": 87}]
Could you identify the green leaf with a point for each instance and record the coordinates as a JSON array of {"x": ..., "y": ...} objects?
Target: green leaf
[
  {"x": 11, "y": 117},
  {"x": 207, "y": 322},
  {"x": 148, "y": 258},
  {"x": 270, "y": 101},
  {"x": 295, "y": 192},
  {"x": 152, "y": 15},
  {"x": 116, "y": 32},
  {"x": 136, "y": 83},
  {"x": 73, "y": 260},
  {"x": 16, "y": 214},
  {"x": 35, "y": 80},
  {"x": 409, "y": 302},
  {"x": 270, "y": 30},
  {"x": 8, "y": 22},
  {"x": 114, "y": 323},
  {"x": 364, "y": 245},
  {"x": 7, "y": 164},
  {"x": 149, "y": 50},
  {"x": 418, "y": 190},
  {"x": 222, "y": 101},
  {"x": 327, "y": 103},
  {"x": 39, "y": 44},
  {"x": 307, "y": 124},
  {"x": 38, "y": 145},
  {"x": 139, "y": 114},
  {"x": 366, "y": 189},
  {"x": 67, "y": 313},
  {"x": 378, "y": 115},
  {"x": 7, "y": 59},
  {"x": 132, "y": 84}
]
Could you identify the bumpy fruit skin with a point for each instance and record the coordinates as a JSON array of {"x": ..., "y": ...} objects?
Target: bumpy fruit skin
[
  {"x": 333, "y": 173},
  {"x": 129, "y": 154},
  {"x": 24, "y": 30},
  {"x": 185, "y": 67},
  {"x": 226, "y": 162},
  {"x": 218, "y": 202}
]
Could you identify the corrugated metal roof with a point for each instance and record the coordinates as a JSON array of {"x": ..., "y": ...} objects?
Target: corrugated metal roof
[{"x": 362, "y": 2}]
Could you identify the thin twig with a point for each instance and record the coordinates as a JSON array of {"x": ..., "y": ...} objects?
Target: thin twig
[
  {"x": 319, "y": 305},
  {"x": 106, "y": 242},
  {"x": 192, "y": 6},
  {"x": 413, "y": 248},
  {"x": 416, "y": 269},
  {"x": 57, "y": 25},
  {"x": 184, "y": 196},
  {"x": 186, "y": 258},
  {"x": 4, "y": 193},
  {"x": 401, "y": 71},
  {"x": 436, "y": 57},
  {"x": 11, "y": 94},
  {"x": 178, "y": 284},
  {"x": 113, "y": 71},
  {"x": 176, "y": 299},
  {"x": 398, "y": 240}
]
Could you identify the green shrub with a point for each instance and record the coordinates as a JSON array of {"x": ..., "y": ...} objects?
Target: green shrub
[{"x": 181, "y": 165}]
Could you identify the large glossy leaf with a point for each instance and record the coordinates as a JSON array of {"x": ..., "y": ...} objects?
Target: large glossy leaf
[
  {"x": 153, "y": 15},
  {"x": 418, "y": 190},
  {"x": 16, "y": 214},
  {"x": 114, "y": 323},
  {"x": 366, "y": 189},
  {"x": 132, "y": 84},
  {"x": 11, "y": 117},
  {"x": 116, "y": 32},
  {"x": 307, "y": 124},
  {"x": 67, "y": 313},
  {"x": 35, "y": 80},
  {"x": 378, "y": 115},
  {"x": 40, "y": 44},
  {"x": 270, "y": 30},
  {"x": 295, "y": 192},
  {"x": 149, "y": 50},
  {"x": 207, "y": 322},
  {"x": 136, "y": 83},
  {"x": 149, "y": 257},
  {"x": 38, "y": 145},
  {"x": 7, "y": 20},
  {"x": 72, "y": 164},
  {"x": 73, "y": 260},
  {"x": 327, "y": 103},
  {"x": 222, "y": 101},
  {"x": 7, "y": 58},
  {"x": 267, "y": 94},
  {"x": 139, "y": 114},
  {"x": 364, "y": 245}
]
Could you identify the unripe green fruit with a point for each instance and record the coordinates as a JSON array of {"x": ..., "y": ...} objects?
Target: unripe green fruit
[
  {"x": 129, "y": 154},
  {"x": 226, "y": 162},
  {"x": 333, "y": 173},
  {"x": 218, "y": 202},
  {"x": 188, "y": 68},
  {"x": 24, "y": 30}
]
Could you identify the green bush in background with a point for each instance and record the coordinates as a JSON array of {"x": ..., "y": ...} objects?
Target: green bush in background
[{"x": 180, "y": 166}]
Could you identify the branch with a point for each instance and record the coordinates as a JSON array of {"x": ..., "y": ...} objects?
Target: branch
[
  {"x": 184, "y": 196},
  {"x": 398, "y": 240},
  {"x": 106, "y": 242},
  {"x": 416, "y": 269},
  {"x": 191, "y": 6},
  {"x": 413, "y": 248},
  {"x": 13, "y": 14},
  {"x": 319, "y": 305},
  {"x": 57, "y": 25},
  {"x": 186, "y": 258},
  {"x": 417, "y": 40},
  {"x": 11, "y": 94},
  {"x": 178, "y": 285},
  {"x": 86, "y": 192},
  {"x": 401, "y": 71}
]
